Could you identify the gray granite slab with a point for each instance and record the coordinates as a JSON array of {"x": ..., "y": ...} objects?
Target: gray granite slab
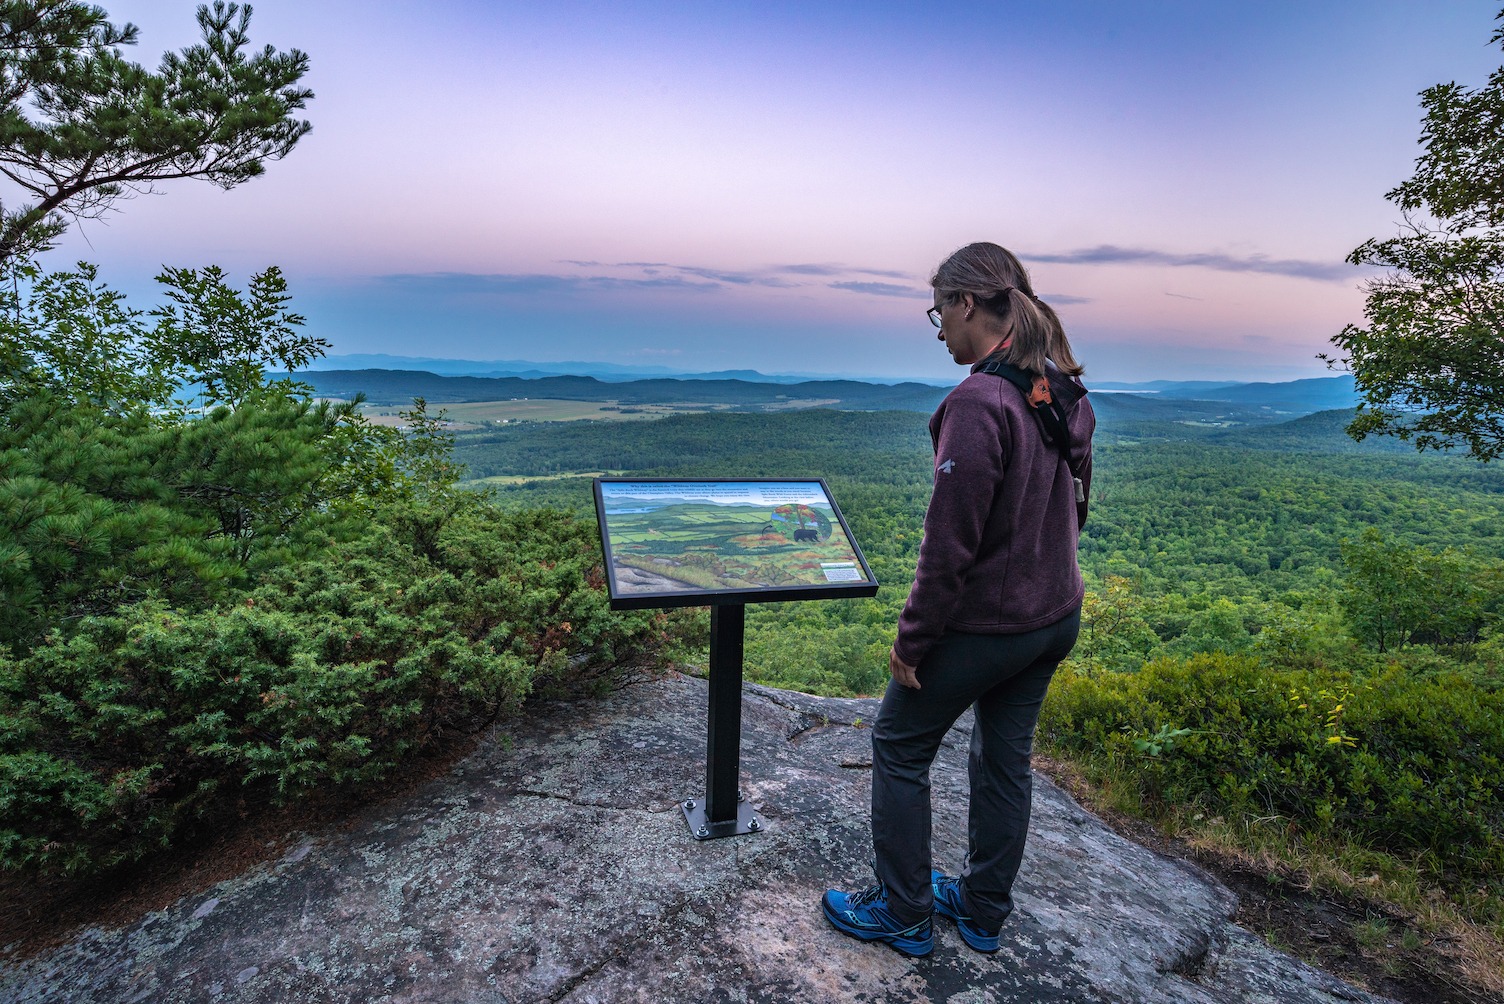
[{"x": 554, "y": 865}]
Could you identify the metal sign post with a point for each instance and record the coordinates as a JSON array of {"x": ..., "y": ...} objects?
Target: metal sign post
[
  {"x": 678, "y": 542},
  {"x": 723, "y": 812}
]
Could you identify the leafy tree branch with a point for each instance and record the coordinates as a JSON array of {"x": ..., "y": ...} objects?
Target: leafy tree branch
[{"x": 1429, "y": 362}]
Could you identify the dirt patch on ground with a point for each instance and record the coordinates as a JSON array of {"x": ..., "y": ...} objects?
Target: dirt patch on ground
[
  {"x": 1366, "y": 944},
  {"x": 38, "y": 914}
]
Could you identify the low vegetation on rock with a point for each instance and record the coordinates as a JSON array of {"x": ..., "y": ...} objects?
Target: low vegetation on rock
[{"x": 246, "y": 594}]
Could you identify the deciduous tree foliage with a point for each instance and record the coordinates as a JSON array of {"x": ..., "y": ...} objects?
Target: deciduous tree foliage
[
  {"x": 75, "y": 336},
  {"x": 1430, "y": 360},
  {"x": 227, "y": 338},
  {"x": 1395, "y": 592}
]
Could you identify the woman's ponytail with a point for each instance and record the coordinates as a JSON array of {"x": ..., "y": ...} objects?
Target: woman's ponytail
[{"x": 1000, "y": 284}]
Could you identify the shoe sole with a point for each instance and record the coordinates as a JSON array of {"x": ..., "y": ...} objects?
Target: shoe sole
[{"x": 919, "y": 951}]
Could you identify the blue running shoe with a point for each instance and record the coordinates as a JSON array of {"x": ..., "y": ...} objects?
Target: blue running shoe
[
  {"x": 865, "y": 915},
  {"x": 948, "y": 904}
]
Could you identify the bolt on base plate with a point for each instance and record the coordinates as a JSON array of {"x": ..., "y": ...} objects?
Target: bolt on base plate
[{"x": 701, "y": 828}]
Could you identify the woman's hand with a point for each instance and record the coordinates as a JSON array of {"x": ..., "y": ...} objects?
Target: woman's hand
[{"x": 902, "y": 671}]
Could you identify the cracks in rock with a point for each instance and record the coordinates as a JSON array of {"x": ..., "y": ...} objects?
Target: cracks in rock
[
  {"x": 569, "y": 985},
  {"x": 813, "y": 724},
  {"x": 823, "y": 718},
  {"x": 821, "y": 723},
  {"x": 809, "y": 722}
]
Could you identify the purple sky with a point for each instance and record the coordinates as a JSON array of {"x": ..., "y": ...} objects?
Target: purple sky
[{"x": 709, "y": 185}]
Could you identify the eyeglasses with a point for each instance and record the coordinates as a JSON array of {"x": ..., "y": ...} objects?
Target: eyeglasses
[{"x": 934, "y": 315}]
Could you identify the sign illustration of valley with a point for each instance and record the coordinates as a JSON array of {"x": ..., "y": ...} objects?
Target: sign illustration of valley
[{"x": 677, "y": 537}]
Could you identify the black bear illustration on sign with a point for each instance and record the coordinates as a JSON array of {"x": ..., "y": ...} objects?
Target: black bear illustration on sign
[{"x": 801, "y": 524}]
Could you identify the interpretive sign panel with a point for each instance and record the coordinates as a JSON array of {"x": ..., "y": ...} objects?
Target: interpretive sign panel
[
  {"x": 723, "y": 544},
  {"x": 676, "y": 542}
]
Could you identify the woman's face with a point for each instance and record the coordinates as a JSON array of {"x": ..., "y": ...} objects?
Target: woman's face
[{"x": 969, "y": 333}]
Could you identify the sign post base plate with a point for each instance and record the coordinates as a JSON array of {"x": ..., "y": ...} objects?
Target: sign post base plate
[{"x": 701, "y": 828}]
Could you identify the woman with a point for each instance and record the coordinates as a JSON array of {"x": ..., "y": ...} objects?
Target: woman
[{"x": 996, "y": 604}]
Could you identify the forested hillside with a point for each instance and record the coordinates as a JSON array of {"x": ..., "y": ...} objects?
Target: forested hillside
[
  {"x": 843, "y": 438},
  {"x": 1323, "y": 432},
  {"x": 1217, "y": 540},
  {"x": 400, "y": 386}
]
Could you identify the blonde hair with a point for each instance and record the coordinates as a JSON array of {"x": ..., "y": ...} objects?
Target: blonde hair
[{"x": 1000, "y": 285}]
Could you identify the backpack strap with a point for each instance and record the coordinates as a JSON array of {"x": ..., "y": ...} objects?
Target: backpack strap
[{"x": 1036, "y": 392}]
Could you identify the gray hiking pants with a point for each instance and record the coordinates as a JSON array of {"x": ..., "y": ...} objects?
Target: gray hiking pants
[{"x": 1006, "y": 677}]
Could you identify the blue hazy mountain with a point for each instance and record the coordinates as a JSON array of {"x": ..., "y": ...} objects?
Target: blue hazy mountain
[
  {"x": 605, "y": 372},
  {"x": 1161, "y": 386},
  {"x": 491, "y": 368},
  {"x": 1304, "y": 396},
  {"x": 1295, "y": 397},
  {"x": 454, "y": 380}
]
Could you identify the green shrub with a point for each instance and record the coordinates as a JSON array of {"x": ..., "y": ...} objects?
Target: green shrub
[
  {"x": 1396, "y": 762},
  {"x": 328, "y": 672},
  {"x": 98, "y": 509}
]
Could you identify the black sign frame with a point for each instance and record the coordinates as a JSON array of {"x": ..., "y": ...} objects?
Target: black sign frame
[
  {"x": 723, "y": 810},
  {"x": 715, "y": 597}
]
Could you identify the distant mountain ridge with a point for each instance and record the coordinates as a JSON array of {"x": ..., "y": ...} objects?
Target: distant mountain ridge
[
  {"x": 1201, "y": 402},
  {"x": 1329, "y": 390},
  {"x": 1298, "y": 397},
  {"x": 491, "y": 368},
  {"x": 1321, "y": 432},
  {"x": 401, "y": 386},
  {"x": 1159, "y": 386},
  {"x": 605, "y": 372}
]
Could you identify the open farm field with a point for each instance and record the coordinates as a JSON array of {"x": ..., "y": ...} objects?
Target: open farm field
[{"x": 470, "y": 415}]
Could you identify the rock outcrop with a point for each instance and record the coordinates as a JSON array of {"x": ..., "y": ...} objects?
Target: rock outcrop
[{"x": 554, "y": 865}]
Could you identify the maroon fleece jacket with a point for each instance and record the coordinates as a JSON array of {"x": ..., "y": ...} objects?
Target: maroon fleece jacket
[{"x": 999, "y": 550}]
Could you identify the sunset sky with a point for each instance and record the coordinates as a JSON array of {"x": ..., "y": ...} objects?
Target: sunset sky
[{"x": 708, "y": 186}]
